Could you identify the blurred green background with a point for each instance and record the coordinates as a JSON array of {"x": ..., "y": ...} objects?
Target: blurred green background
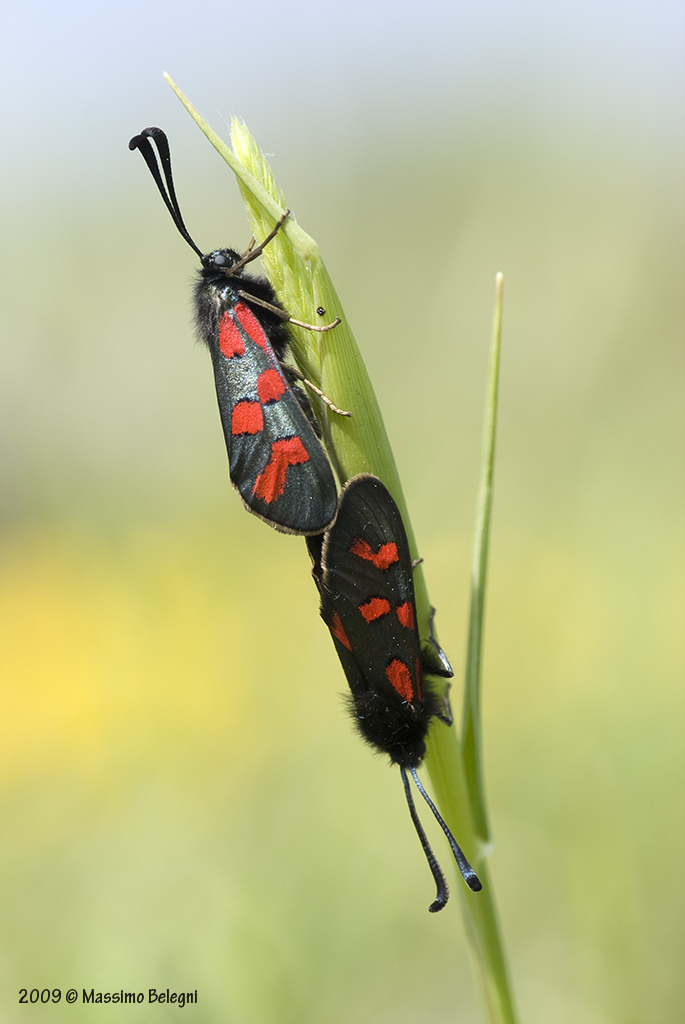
[{"x": 184, "y": 801}]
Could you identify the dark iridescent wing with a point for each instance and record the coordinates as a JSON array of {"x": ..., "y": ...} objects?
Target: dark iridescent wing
[
  {"x": 367, "y": 575},
  {"x": 276, "y": 461},
  {"x": 367, "y": 601}
]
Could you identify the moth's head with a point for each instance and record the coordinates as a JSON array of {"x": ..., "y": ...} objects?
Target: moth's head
[
  {"x": 220, "y": 261},
  {"x": 393, "y": 726}
]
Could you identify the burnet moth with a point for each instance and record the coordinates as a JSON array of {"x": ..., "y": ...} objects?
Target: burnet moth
[
  {"x": 364, "y": 573},
  {"x": 276, "y": 461}
]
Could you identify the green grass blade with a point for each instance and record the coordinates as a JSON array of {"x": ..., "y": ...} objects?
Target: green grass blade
[{"x": 471, "y": 722}]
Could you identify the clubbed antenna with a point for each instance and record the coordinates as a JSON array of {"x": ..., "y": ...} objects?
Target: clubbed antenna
[
  {"x": 443, "y": 892},
  {"x": 468, "y": 874},
  {"x": 142, "y": 142}
]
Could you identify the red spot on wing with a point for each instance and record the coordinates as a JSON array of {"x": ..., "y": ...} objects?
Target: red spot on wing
[
  {"x": 405, "y": 613},
  {"x": 400, "y": 678},
  {"x": 382, "y": 559},
  {"x": 375, "y": 608},
  {"x": 230, "y": 339},
  {"x": 270, "y": 386},
  {"x": 247, "y": 418},
  {"x": 270, "y": 484},
  {"x": 249, "y": 322},
  {"x": 338, "y": 631}
]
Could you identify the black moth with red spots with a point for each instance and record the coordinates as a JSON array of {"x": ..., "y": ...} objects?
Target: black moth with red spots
[
  {"x": 275, "y": 458},
  {"x": 276, "y": 461},
  {"x": 363, "y": 570}
]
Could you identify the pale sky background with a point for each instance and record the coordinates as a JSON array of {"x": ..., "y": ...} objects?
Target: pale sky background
[{"x": 77, "y": 77}]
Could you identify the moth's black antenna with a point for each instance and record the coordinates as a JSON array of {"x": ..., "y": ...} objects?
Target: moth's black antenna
[
  {"x": 443, "y": 892},
  {"x": 467, "y": 872},
  {"x": 142, "y": 142}
]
